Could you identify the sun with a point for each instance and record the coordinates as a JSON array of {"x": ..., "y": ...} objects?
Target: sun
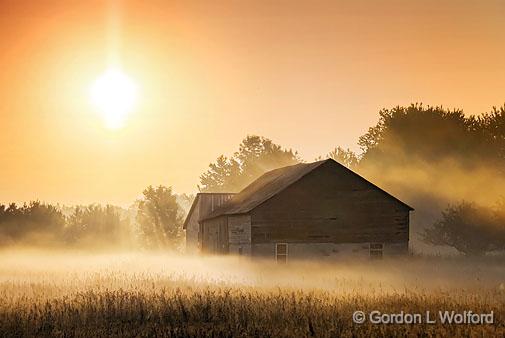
[{"x": 114, "y": 94}]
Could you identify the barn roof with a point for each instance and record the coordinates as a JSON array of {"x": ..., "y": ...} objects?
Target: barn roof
[{"x": 273, "y": 182}]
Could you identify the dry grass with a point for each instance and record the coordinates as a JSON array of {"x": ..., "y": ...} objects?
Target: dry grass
[{"x": 55, "y": 294}]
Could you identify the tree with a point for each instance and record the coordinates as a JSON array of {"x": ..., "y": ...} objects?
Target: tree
[
  {"x": 492, "y": 128},
  {"x": 94, "y": 225},
  {"x": 470, "y": 229},
  {"x": 256, "y": 155},
  {"x": 160, "y": 218},
  {"x": 222, "y": 176},
  {"x": 32, "y": 222},
  {"x": 429, "y": 133},
  {"x": 344, "y": 156},
  {"x": 435, "y": 134},
  {"x": 185, "y": 201}
]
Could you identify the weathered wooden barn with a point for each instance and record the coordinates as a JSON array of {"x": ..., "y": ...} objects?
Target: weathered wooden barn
[{"x": 319, "y": 209}]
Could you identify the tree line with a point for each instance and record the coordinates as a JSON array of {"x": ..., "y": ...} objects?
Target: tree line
[{"x": 152, "y": 222}]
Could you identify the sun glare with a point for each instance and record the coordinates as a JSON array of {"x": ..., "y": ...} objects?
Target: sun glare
[{"x": 114, "y": 94}]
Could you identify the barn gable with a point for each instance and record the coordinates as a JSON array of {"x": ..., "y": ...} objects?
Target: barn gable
[{"x": 329, "y": 205}]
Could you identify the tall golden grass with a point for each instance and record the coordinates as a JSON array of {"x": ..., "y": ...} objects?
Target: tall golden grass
[{"x": 145, "y": 295}]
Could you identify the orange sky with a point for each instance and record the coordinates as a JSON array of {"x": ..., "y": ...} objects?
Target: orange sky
[{"x": 308, "y": 74}]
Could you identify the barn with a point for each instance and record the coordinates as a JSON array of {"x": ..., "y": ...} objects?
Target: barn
[{"x": 309, "y": 210}]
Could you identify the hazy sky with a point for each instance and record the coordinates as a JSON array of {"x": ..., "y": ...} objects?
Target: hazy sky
[{"x": 308, "y": 74}]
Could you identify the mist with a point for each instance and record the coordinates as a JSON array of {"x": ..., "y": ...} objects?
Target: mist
[{"x": 83, "y": 271}]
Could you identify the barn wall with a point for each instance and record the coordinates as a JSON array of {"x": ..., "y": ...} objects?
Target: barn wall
[
  {"x": 239, "y": 234},
  {"x": 192, "y": 228},
  {"x": 214, "y": 235},
  {"x": 313, "y": 250},
  {"x": 324, "y": 251},
  {"x": 206, "y": 203},
  {"x": 330, "y": 205}
]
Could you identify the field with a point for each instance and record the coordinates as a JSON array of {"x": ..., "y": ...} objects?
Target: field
[{"x": 139, "y": 294}]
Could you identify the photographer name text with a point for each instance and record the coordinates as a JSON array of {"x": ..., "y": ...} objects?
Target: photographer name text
[{"x": 443, "y": 317}]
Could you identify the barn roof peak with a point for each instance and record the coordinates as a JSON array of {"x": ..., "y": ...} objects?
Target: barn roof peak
[{"x": 273, "y": 182}]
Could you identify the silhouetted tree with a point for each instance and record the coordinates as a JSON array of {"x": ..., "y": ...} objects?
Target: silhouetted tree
[
  {"x": 470, "y": 229},
  {"x": 160, "y": 218},
  {"x": 35, "y": 222},
  {"x": 492, "y": 129},
  {"x": 94, "y": 225},
  {"x": 256, "y": 155},
  {"x": 434, "y": 134},
  {"x": 343, "y": 156}
]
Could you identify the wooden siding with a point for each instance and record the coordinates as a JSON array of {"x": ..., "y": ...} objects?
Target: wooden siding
[
  {"x": 239, "y": 234},
  {"x": 326, "y": 251},
  {"x": 212, "y": 201},
  {"x": 206, "y": 203},
  {"x": 330, "y": 206},
  {"x": 227, "y": 234},
  {"x": 192, "y": 229},
  {"x": 214, "y": 235}
]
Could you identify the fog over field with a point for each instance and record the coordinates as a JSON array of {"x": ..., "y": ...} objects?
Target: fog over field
[
  {"x": 58, "y": 268},
  {"x": 52, "y": 292}
]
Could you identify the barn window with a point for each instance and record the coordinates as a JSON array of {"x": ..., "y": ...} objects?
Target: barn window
[
  {"x": 281, "y": 252},
  {"x": 376, "y": 250}
]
